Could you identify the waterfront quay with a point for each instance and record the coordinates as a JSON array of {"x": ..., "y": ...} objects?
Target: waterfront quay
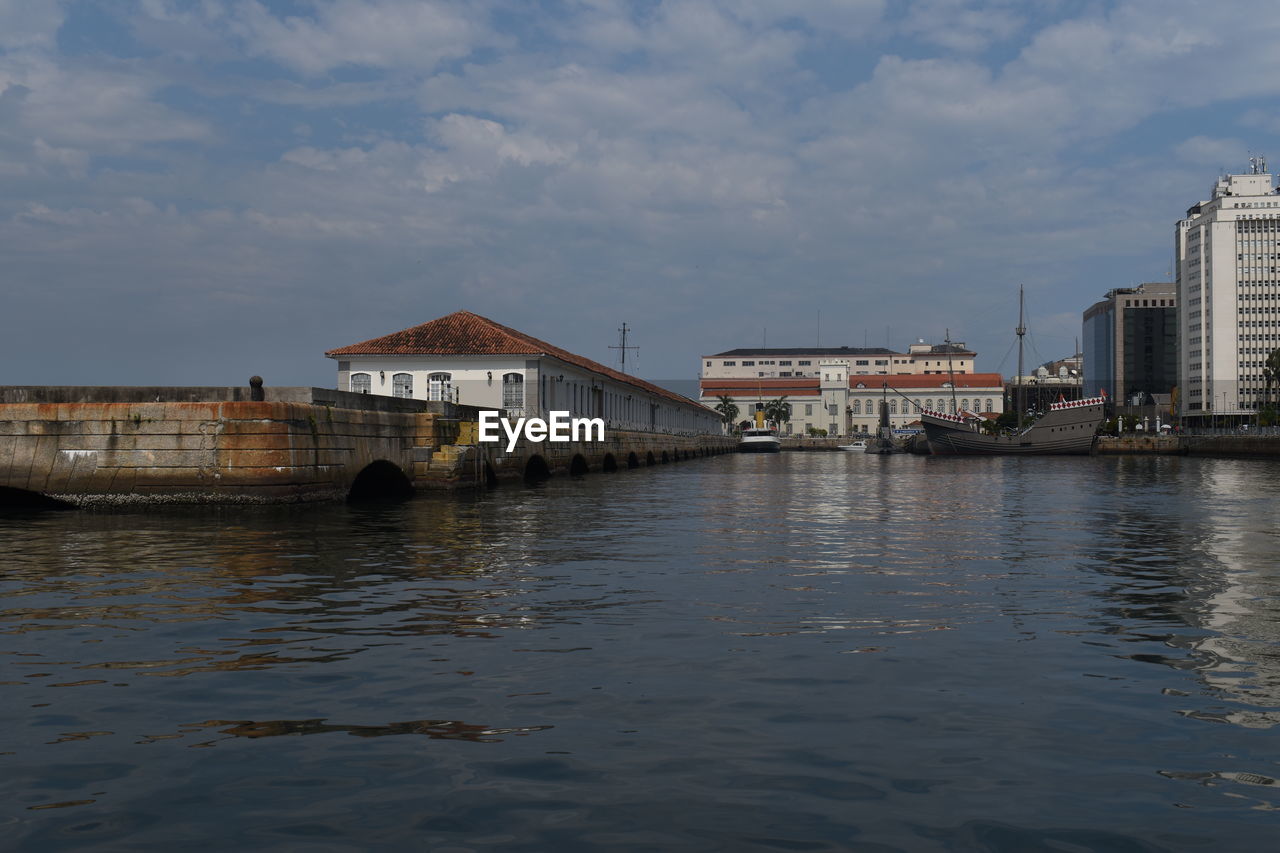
[{"x": 118, "y": 445}]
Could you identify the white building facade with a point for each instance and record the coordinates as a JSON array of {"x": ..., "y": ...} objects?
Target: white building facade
[
  {"x": 848, "y": 405},
  {"x": 784, "y": 363},
  {"x": 468, "y": 359},
  {"x": 1228, "y": 296}
]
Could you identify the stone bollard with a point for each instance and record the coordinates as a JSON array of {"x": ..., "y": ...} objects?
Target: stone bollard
[{"x": 255, "y": 389}]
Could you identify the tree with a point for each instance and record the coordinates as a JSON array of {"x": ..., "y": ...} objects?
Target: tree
[
  {"x": 1271, "y": 372},
  {"x": 778, "y": 411},
  {"x": 728, "y": 410}
]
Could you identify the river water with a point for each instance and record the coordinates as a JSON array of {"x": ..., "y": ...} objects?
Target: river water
[{"x": 798, "y": 652}]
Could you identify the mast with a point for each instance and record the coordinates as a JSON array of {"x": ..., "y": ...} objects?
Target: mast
[
  {"x": 1020, "y": 395},
  {"x": 951, "y": 373},
  {"x": 623, "y": 346}
]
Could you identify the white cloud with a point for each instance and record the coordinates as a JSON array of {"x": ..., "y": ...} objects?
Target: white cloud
[
  {"x": 392, "y": 34},
  {"x": 962, "y": 25},
  {"x": 30, "y": 23},
  {"x": 1212, "y": 152}
]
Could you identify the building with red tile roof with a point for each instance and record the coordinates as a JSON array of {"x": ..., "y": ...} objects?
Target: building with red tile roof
[
  {"x": 844, "y": 404},
  {"x": 469, "y": 359}
]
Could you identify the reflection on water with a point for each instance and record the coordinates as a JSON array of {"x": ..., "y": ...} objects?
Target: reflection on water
[{"x": 805, "y": 651}]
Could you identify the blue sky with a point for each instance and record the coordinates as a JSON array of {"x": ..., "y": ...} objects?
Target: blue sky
[{"x": 193, "y": 192}]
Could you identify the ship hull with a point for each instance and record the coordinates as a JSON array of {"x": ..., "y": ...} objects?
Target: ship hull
[{"x": 1065, "y": 431}]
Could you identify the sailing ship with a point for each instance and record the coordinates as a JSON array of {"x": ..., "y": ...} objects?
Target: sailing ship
[{"x": 1069, "y": 427}]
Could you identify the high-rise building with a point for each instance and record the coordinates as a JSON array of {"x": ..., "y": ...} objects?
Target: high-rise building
[
  {"x": 1131, "y": 344},
  {"x": 1229, "y": 295}
]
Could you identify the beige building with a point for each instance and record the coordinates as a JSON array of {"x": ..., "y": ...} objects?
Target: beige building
[
  {"x": 1228, "y": 291},
  {"x": 920, "y": 358},
  {"x": 846, "y": 404}
]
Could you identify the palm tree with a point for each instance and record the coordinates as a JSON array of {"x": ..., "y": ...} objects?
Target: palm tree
[
  {"x": 1271, "y": 372},
  {"x": 728, "y": 410},
  {"x": 778, "y": 411}
]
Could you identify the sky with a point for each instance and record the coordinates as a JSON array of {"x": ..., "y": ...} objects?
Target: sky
[{"x": 195, "y": 192}]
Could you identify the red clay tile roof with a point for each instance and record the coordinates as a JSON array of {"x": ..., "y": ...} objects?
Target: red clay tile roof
[
  {"x": 464, "y": 333},
  {"x": 931, "y": 380},
  {"x": 799, "y": 387}
]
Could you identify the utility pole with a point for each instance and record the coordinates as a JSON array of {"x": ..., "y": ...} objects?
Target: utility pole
[{"x": 622, "y": 346}]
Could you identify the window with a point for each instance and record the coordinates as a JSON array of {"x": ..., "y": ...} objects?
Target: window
[
  {"x": 708, "y": 364},
  {"x": 748, "y": 364},
  {"x": 964, "y": 404},
  {"x": 862, "y": 362},
  {"x": 784, "y": 363},
  {"x": 893, "y": 407},
  {"x": 513, "y": 392},
  {"x": 857, "y": 407},
  {"x": 928, "y": 404},
  {"x": 804, "y": 363},
  {"x": 988, "y": 405},
  {"x": 882, "y": 361},
  {"x": 731, "y": 364},
  {"x": 402, "y": 385},
  {"x": 360, "y": 383},
  {"x": 808, "y": 408},
  {"x": 440, "y": 387}
]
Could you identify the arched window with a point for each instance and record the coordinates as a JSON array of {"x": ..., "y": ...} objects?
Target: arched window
[
  {"x": 360, "y": 383},
  {"x": 988, "y": 404},
  {"x": 513, "y": 392},
  {"x": 857, "y": 407},
  {"x": 440, "y": 386},
  {"x": 402, "y": 385},
  {"x": 893, "y": 407},
  {"x": 964, "y": 404},
  {"x": 871, "y": 407}
]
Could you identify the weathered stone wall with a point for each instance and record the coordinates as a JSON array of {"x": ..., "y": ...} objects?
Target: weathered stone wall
[
  {"x": 93, "y": 453},
  {"x": 275, "y": 451}
]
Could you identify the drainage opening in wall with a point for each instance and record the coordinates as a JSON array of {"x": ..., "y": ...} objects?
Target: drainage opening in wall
[{"x": 380, "y": 481}]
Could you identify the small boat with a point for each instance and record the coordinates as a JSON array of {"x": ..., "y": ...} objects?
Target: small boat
[
  {"x": 857, "y": 446},
  {"x": 759, "y": 440}
]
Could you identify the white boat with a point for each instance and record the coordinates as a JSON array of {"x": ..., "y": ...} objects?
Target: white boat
[
  {"x": 759, "y": 440},
  {"x": 857, "y": 446}
]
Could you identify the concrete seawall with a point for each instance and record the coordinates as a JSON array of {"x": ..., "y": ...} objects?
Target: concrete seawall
[
  {"x": 1228, "y": 444},
  {"x": 100, "y": 446}
]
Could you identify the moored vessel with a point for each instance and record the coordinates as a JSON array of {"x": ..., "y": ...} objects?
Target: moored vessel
[
  {"x": 1069, "y": 427},
  {"x": 759, "y": 440}
]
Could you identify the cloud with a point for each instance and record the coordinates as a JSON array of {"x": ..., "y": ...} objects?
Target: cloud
[
  {"x": 389, "y": 34},
  {"x": 25, "y": 24},
  {"x": 1211, "y": 151},
  {"x": 961, "y": 25},
  {"x": 673, "y": 161}
]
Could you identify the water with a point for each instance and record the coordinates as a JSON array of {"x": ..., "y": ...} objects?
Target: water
[{"x": 802, "y": 652}]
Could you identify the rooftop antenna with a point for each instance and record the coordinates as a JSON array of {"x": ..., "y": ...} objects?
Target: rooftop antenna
[{"x": 622, "y": 346}]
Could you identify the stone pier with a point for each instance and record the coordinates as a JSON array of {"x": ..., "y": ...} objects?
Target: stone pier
[{"x": 103, "y": 446}]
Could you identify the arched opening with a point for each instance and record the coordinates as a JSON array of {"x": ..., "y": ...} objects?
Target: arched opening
[
  {"x": 536, "y": 470},
  {"x": 381, "y": 481},
  {"x": 609, "y": 465},
  {"x": 21, "y": 499},
  {"x": 578, "y": 465},
  {"x": 490, "y": 478},
  {"x": 633, "y": 461},
  {"x": 665, "y": 458},
  {"x": 648, "y": 458}
]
